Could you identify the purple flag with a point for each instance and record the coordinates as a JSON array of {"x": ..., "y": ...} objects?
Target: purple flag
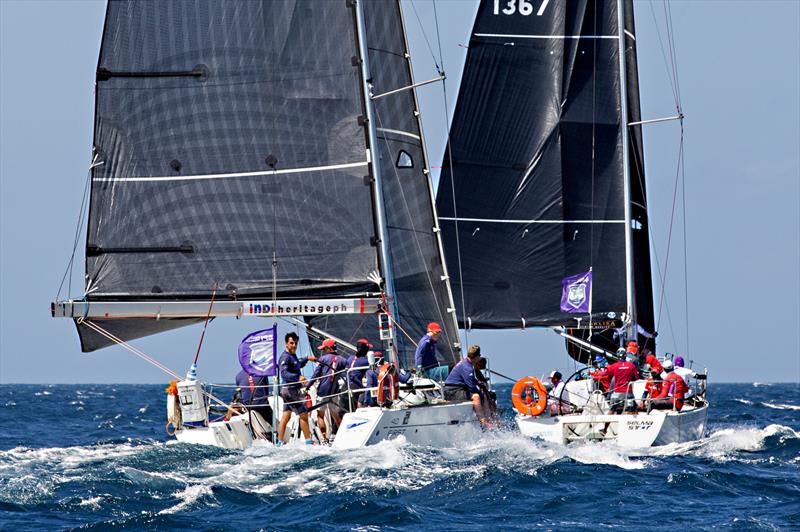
[
  {"x": 257, "y": 352},
  {"x": 576, "y": 291}
]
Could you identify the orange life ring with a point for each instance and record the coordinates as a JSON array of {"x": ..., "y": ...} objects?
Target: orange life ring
[
  {"x": 522, "y": 395},
  {"x": 387, "y": 372}
]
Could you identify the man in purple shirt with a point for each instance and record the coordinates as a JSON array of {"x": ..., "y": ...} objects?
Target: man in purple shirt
[
  {"x": 292, "y": 379},
  {"x": 326, "y": 376},
  {"x": 461, "y": 384}
]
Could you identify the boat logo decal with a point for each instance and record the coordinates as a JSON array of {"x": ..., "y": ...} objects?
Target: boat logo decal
[
  {"x": 357, "y": 423},
  {"x": 639, "y": 425}
]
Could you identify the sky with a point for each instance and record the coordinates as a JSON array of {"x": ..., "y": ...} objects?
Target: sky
[{"x": 738, "y": 65}]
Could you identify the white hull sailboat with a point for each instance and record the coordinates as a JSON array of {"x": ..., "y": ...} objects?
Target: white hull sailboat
[
  {"x": 590, "y": 419},
  {"x": 273, "y": 166},
  {"x": 544, "y": 205},
  {"x": 436, "y": 425}
]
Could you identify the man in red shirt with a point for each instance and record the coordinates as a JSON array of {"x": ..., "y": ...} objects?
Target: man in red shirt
[
  {"x": 673, "y": 391},
  {"x": 601, "y": 374},
  {"x": 655, "y": 365},
  {"x": 622, "y": 373}
]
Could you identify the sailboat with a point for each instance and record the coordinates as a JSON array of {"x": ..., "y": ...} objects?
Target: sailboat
[
  {"x": 543, "y": 203},
  {"x": 265, "y": 159}
]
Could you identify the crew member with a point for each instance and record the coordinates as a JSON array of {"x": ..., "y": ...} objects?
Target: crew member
[
  {"x": 253, "y": 393},
  {"x": 325, "y": 376},
  {"x": 357, "y": 366},
  {"x": 558, "y": 405},
  {"x": 655, "y": 365},
  {"x": 425, "y": 356},
  {"x": 488, "y": 397},
  {"x": 601, "y": 375},
  {"x": 673, "y": 391},
  {"x": 623, "y": 373},
  {"x": 461, "y": 384},
  {"x": 290, "y": 368}
]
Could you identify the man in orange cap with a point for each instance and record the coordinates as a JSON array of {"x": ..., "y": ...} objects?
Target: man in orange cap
[{"x": 425, "y": 357}]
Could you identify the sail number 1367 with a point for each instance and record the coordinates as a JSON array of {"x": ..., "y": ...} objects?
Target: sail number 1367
[{"x": 523, "y": 7}]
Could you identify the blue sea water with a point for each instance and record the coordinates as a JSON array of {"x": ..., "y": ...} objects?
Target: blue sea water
[{"x": 96, "y": 457}]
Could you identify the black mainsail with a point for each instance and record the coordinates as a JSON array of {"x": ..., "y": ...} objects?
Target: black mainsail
[
  {"x": 233, "y": 161},
  {"x": 535, "y": 189}
]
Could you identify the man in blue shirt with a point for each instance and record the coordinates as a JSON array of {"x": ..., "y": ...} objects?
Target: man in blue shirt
[
  {"x": 253, "y": 392},
  {"x": 357, "y": 366},
  {"x": 461, "y": 384},
  {"x": 425, "y": 356},
  {"x": 326, "y": 377},
  {"x": 292, "y": 379}
]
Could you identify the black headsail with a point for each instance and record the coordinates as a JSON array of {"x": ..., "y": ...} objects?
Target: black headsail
[
  {"x": 536, "y": 191},
  {"x": 421, "y": 292},
  {"x": 227, "y": 133}
]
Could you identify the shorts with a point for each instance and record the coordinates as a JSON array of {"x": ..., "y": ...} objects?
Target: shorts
[
  {"x": 294, "y": 399},
  {"x": 437, "y": 373},
  {"x": 457, "y": 394},
  {"x": 621, "y": 401}
]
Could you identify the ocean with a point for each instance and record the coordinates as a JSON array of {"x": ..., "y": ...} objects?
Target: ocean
[{"x": 96, "y": 457}]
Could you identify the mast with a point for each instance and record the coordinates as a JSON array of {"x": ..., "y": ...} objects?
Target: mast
[
  {"x": 374, "y": 161},
  {"x": 451, "y": 309},
  {"x": 631, "y": 307}
]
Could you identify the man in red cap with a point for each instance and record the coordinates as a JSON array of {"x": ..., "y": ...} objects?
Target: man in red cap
[{"x": 425, "y": 357}]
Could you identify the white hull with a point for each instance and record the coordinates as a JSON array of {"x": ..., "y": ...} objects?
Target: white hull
[
  {"x": 659, "y": 427},
  {"x": 436, "y": 425}
]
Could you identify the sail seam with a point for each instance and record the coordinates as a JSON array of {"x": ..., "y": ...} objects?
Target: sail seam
[
  {"x": 451, "y": 219},
  {"x": 224, "y": 176},
  {"x": 523, "y": 36}
]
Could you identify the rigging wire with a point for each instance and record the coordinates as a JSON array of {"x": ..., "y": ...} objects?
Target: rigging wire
[
  {"x": 78, "y": 230},
  {"x": 671, "y": 63},
  {"x": 685, "y": 246},
  {"x": 671, "y": 224},
  {"x": 425, "y": 36},
  {"x": 449, "y": 155},
  {"x": 667, "y": 64},
  {"x": 672, "y": 52}
]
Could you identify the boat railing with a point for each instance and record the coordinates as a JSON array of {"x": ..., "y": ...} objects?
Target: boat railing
[{"x": 348, "y": 390}]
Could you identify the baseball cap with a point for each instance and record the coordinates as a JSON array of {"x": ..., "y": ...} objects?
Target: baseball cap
[
  {"x": 434, "y": 327},
  {"x": 328, "y": 342}
]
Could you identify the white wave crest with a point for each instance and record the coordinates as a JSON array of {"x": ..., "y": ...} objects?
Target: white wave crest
[
  {"x": 724, "y": 445},
  {"x": 188, "y": 496},
  {"x": 781, "y": 406},
  {"x": 744, "y": 401},
  {"x": 92, "y": 502}
]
